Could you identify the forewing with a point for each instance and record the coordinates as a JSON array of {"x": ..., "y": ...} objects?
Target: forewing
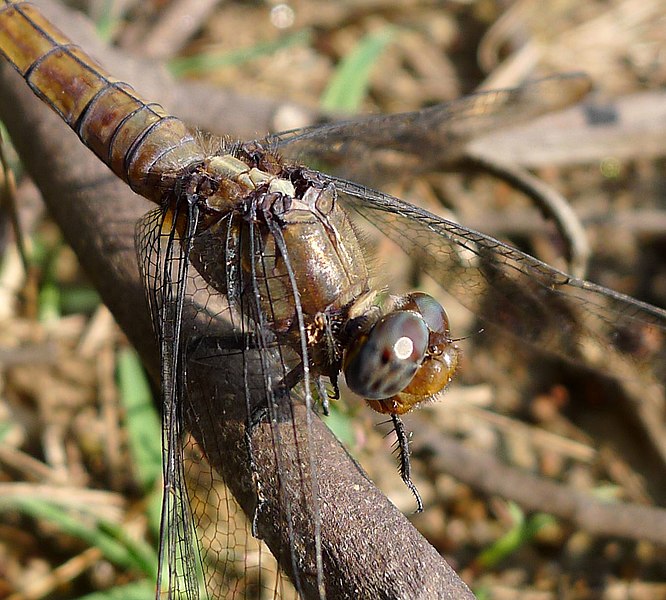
[
  {"x": 163, "y": 270},
  {"x": 575, "y": 319},
  {"x": 374, "y": 148},
  {"x": 228, "y": 436}
]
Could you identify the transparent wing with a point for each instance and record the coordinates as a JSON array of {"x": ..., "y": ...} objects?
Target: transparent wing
[
  {"x": 575, "y": 319},
  {"x": 163, "y": 268},
  {"x": 373, "y": 148},
  {"x": 222, "y": 370},
  {"x": 236, "y": 393}
]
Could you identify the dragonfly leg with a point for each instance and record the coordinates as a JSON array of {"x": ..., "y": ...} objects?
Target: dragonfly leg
[
  {"x": 211, "y": 347},
  {"x": 405, "y": 467},
  {"x": 256, "y": 481},
  {"x": 257, "y": 414},
  {"x": 295, "y": 376},
  {"x": 335, "y": 393},
  {"x": 254, "y": 417},
  {"x": 323, "y": 395}
]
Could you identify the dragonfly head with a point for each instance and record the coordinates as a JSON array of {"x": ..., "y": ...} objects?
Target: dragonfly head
[{"x": 406, "y": 357}]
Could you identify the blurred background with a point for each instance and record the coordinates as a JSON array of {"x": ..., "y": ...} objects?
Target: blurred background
[{"x": 77, "y": 425}]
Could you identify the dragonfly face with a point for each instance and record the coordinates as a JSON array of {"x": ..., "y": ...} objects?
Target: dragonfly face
[{"x": 406, "y": 357}]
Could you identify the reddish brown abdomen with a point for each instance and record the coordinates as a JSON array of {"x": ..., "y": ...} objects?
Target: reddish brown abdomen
[{"x": 136, "y": 139}]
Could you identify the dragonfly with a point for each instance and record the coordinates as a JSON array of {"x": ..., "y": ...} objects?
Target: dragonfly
[{"x": 250, "y": 263}]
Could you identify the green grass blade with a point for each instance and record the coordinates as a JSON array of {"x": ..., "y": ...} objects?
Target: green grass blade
[
  {"x": 120, "y": 550},
  {"x": 522, "y": 532},
  {"x": 49, "y": 303},
  {"x": 341, "y": 424},
  {"x": 108, "y": 19},
  {"x": 140, "y": 552},
  {"x": 79, "y": 299},
  {"x": 205, "y": 62},
  {"x": 140, "y": 590},
  {"x": 154, "y": 510},
  {"x": 349, "y": 84},
  {"x": 142, "y": 421}
]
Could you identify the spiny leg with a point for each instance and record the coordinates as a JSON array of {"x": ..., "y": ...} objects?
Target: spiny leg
[{"x": 405, "y": 467}]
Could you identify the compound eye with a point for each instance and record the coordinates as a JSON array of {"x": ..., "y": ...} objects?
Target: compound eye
[
  {"x": 433, "y": 312},
  {"x": 383, "y": 362}
]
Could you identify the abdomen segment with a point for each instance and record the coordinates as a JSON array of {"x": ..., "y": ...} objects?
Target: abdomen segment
[{"x": 138, "y": 140}]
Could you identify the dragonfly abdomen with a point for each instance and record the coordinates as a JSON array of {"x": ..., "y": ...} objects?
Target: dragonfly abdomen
[{"x": 138, "y": 140}]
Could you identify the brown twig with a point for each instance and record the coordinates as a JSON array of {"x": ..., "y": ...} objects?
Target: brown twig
[
  {"x": 68, "y": 571},
  {"x": 176, "y": 24},
  {"x": 629, "y": 127},
  {"x": 486, "y": 473}
]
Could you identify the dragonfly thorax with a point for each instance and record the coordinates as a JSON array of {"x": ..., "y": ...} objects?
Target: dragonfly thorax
[
  {"x": 300, "y": 268},
  {"x": 279, "y": 244}
]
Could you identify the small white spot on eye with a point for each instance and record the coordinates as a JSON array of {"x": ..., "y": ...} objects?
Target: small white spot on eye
[
  {"x": 282, "y": 16},
  {"x": 403, "y": 348}
]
